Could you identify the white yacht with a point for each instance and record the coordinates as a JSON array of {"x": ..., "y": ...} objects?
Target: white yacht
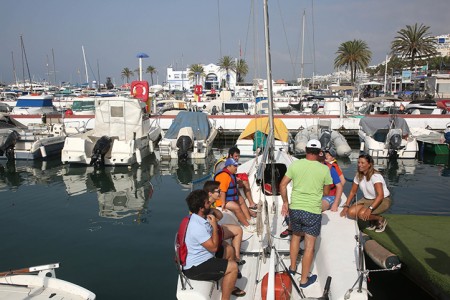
[{"x": 121, "y": 135}]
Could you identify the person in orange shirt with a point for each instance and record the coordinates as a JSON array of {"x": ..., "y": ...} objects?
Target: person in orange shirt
[
  {"x": 230, "y": 197},
  {"x": 242, "y": 178}
]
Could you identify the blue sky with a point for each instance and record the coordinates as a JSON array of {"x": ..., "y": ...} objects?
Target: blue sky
[{"x": 181, "y": 33}]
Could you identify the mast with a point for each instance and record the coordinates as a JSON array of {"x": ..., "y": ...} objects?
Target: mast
[
  {"x": 24, "y": 56},
  {"x": 54, "y": 66},
  {"x": 314, "y": 44},
  {"x": 268, "y": 68},
  {"x": 302, "y": 66},
  {"x": 85, "y": 66},
  {"x": 14, "y": 69}
]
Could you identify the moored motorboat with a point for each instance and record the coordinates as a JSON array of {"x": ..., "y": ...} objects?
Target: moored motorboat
[
  {"x": 191, "y": 135},
  {"x": 387, "y": 137},
  {"x": 33, "y": 142},
  {"x": 120, "y": 135},
  {"x": 328, "y": 138},
  {"x": 34, "y": 104}
]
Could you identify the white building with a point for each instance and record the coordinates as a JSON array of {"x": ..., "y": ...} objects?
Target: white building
[
  {"x": 443, "y": 44},
  {"x": 179, "y": 79}
]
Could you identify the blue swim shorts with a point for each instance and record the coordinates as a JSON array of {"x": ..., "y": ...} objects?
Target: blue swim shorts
[{"x": 303, "y": 221}]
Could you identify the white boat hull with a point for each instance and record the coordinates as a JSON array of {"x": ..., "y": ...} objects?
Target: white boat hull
[{"x": 369, "y": 145}]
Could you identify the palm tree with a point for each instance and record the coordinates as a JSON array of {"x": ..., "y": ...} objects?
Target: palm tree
[
  {"x": 355, "y": 55},
  {"x": 241, "y": 70},
  {"x": 151, "y": 70},
  {"x": 127, "y": 73},
  {"x": 227, "y": 64},
  {"x": 414, "y": 42},
  {"x": 196, "y": 73}
]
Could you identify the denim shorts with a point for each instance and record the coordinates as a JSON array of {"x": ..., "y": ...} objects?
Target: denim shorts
[
  {"x": 329, "y": 199},
  {"x": 303, "y": 221}
]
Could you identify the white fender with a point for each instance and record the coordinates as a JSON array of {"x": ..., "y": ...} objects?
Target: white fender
[{"x": 43, "y": 152}]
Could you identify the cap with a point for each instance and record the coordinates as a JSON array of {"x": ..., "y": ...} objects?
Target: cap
[
  {"x": 331, "y": 151},
  {"x": 230, "y": 162},
  {"x": 314, "y": 144}
]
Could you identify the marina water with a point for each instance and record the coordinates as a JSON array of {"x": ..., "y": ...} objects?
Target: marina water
[{"x": 113, "y": 230}]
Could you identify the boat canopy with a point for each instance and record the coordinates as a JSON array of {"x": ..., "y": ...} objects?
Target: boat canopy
[
  {"x": 34, "y": 103},
  {"x": 370, "y": 125},
  {"x": 198, "y": 121},
  {"x": 262, "y": 125}
]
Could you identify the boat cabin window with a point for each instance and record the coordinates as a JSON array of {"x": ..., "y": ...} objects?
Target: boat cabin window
[
  {"x": 235, "y": 107},
  {"x": 117, "y": 111}
]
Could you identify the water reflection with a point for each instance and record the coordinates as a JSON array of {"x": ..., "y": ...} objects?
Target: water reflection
[
  {"x": 121, "y": 191},
  {"x": 15, "y": 173},
  {"x": 188, "y": 172}
]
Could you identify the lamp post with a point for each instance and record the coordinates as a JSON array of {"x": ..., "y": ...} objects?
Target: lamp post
[{"x": 141, "y": 55}]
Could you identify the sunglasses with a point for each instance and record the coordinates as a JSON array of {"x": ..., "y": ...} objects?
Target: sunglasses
[{"x": 217, "y": 191}]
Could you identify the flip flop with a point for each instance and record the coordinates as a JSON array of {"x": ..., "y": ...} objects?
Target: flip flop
[{"x": 238, "y": 292}]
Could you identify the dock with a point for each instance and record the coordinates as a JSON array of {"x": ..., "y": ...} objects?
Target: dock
[{"x": 423, "y": 245}]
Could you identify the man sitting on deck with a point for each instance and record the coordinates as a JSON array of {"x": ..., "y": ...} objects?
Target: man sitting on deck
[{"x": 202, "y": 241}]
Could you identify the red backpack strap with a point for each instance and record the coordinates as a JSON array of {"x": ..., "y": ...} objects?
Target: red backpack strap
[{"x": 181, "y": 237}]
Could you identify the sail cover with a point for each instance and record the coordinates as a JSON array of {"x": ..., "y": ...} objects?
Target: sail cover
[
  {"x": 370, "y": 125},
  {"x": 262, "y": 124},
  {"x": 198, "y": 121}
]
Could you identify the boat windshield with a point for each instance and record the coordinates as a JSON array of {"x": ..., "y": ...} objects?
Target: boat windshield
[{"x": 83, "y": 105}]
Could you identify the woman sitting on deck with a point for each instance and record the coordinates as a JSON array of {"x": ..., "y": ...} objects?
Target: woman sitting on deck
[{"x": 376, "y": 195}]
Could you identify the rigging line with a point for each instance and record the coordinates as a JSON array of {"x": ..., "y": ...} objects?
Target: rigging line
[
  {"x": 248, "y": 28},
  {"x": 287, "y": 41},
  {"x": 220, "y": 31},
  {"x": 313, "y": 41},
  {"x": 256, "y": 71}
]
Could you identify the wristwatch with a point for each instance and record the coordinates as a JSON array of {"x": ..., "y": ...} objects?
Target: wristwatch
[{"x": 371, "y": 208}]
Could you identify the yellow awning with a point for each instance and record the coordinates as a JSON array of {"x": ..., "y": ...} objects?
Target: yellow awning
[{"x": 262, "y": 124}]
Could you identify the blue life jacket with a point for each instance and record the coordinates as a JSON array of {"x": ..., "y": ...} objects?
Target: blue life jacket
[{"x": 232, "y": 193}]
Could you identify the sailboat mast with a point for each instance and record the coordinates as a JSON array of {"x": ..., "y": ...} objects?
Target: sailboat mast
[
  {"x": 14, "y": 69},
  {"x": 85, "y": 66},
  {"x": 268, "y": 67},
  {"x": 54, "y": 66},
  {"x": 303, "y": 49},
  {"x": 24, "y": 55}
]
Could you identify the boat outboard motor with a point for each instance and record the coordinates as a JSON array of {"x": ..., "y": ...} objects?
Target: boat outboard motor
[
  {"x": 185, "y": 142},
  {"x": 394, "y": 141},
  {"x": 7, "y": 143},
  {"x": 325, "y": 138},
  {"x": 102, "y": 146}
]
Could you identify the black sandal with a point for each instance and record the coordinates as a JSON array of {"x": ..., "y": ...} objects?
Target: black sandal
[
  {"x": 238, "y": 292},
  {"x": 241, "y": 262}
]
